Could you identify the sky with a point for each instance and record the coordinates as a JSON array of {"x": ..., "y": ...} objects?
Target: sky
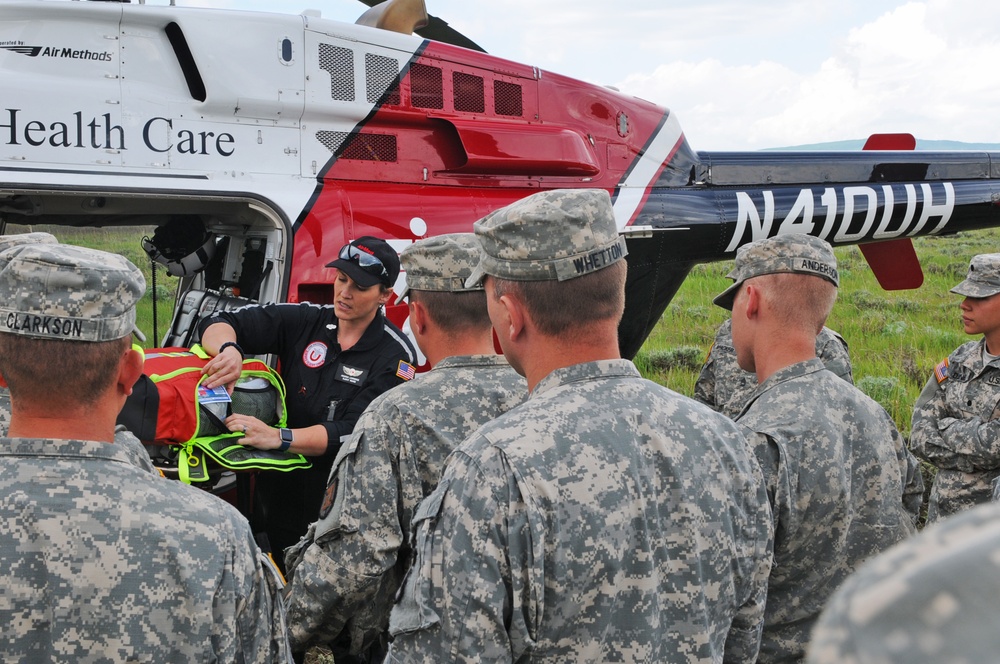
[{"x": 750, "y": 74}]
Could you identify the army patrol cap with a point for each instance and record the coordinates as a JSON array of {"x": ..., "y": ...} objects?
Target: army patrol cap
[
  {"x": 61, "y": 291},
  {"x": 983, "y": 279},
  {"x": 550, "y": 236},
  {"x": 38, "y": 237},
  {"x": 801, "y": 254},
  {"x": 441, "y": 263}
]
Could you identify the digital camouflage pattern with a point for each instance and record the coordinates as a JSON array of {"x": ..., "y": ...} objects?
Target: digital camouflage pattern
[
  {"x": 956, "y": 427},
  {"x": 105, "y": 562},
  {"x": 929, "y": 600},
  {"x": 441, "y": 263},
  {"x": 983, "y": 278},
  {"x": 133, "y": 446},
  {"x": 17, "y": 239},
  {"x": 795, "y": 253},
  {"x": 605, "y": 519},
  {"x": 89, "y": 295},
  {"x": 552, "y": 235},
  {"x": 724, "y": 387},
  {"x": 6, "y": 242},
  {"x": 4, "y": 410},
  {"x": 65, "y": 289},
  {"x": 842, "y": 487},
  {"x": 344, "y": 574}
]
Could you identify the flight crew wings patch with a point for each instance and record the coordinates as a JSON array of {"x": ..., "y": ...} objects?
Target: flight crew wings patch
[
  {"x": 941, "y": 371},
  {"x": 406, "y": 371}
]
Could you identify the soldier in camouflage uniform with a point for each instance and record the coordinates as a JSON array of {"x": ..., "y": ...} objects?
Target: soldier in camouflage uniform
[
  {"x": 956, "y": 420},
  {"x": 929, "y": 600},
  {"x": 835, "y": 464},
  {"x": 6, "y": 242},
  {"x": 345, "y": 572},
  {"x": 607, "y": 518},
  {"x": 102, "y": 560},
  {"x": 133, "y": 447},
  {"x": 724, "y": 387}
]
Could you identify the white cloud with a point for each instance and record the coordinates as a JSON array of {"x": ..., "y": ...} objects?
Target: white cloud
[{"x": 913, "y": 68}]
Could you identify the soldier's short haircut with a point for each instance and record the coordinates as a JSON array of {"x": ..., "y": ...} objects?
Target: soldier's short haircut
[
  {"x": 799, "y": 300},
  {"x": 561, "y": 307},
  {"x": 71, "y": 372},
  {"x": 455, "y": 312}
]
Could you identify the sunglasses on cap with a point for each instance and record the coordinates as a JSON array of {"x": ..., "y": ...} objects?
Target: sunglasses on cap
[{"x": 364, "y": 259}]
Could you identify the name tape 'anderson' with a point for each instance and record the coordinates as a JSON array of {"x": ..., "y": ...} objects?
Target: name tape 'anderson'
[{"x": 818, "y": 268}]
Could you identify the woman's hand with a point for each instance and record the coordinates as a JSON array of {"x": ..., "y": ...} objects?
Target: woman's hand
[
  {"x": 255, "y": 433},
  {"x": 223, "y": 369}
]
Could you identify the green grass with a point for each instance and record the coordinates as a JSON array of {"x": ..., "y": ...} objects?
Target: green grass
[{"x": 895, "y": 338}]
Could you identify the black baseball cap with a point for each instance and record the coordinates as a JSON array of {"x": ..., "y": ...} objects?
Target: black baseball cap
[{"x": 368, "y": 261}]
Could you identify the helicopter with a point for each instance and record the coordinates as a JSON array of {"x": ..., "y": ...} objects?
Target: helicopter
[{"x": 280, "y": 138}]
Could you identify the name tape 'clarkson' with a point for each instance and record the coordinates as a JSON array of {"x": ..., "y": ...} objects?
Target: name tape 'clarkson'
[
  {"x": 818, "y": 267},
  {"x": 56, "y": 327}
]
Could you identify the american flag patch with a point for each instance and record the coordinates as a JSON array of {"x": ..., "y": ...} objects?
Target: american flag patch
[
  {"x": 406, "y": 371},
  {"x": 941, "y": 371}
]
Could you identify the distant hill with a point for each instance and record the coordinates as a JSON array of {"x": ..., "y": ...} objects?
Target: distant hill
[{"x": 921, "y": 145}]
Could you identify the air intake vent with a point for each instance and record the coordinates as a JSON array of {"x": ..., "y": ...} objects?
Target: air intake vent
[
  {"x": 332, "y": 139},
  {"x": 362, "y": 147},
  {"x": 507, "y": 99},
  {"x": 426, "y": 86},
  {"x": 339, "y": 63},
  {"x": 371, "y": 147},
  {"x": 469, "y": 94},
  {"x": 382, "y": 74}
]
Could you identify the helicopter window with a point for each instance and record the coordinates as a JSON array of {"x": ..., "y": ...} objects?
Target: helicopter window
[
  {"x": 381, "y": 75},
  {"x": 339, "y": 63},
  {"x": 507, "y": 98},
  {"x": 426, "y": 86},
  {"x": 469, "y": 94}
]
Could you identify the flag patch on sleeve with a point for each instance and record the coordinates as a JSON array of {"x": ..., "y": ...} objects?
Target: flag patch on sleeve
[
  {"x": 406, "y": 371},
  {"x": 941, "y": 371}
]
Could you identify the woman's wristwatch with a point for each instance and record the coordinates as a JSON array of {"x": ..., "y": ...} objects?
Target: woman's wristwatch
[{"x": 286, "y": 439}]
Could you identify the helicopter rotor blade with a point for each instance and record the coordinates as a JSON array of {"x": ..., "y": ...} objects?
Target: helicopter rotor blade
[{"x": 436, "y": 29}]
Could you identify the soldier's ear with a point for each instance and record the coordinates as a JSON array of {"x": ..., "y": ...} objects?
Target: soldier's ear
[
  {"x": 514, "y": 314},
  {"x": 418, "y": 316},
  {"x": 129, "y": 370},
  {"x": 751, "y": 301}
]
